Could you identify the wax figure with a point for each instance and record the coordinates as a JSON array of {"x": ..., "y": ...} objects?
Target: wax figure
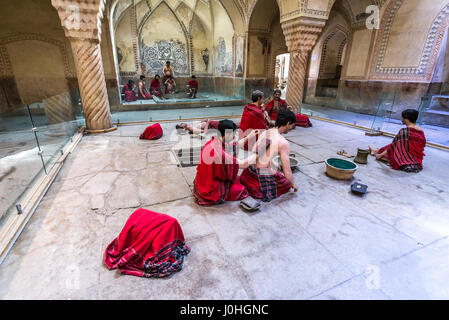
[
  {"x": 198, "y": 127},
  {"x": 406, "y": 152},
  {"x": 192, "y": 88},
  {"x": 253, "y": 114},
  {"x": 277, "y": 104},
  {"x": 167, "y": 72},
  {"x": 128, "y": 91},
  {"x": 151, "y": 244},
  {"x": 253, "y": 118},
  {"x": 143, "y": 93},
  {"x": 217, "y": 179},
  {"x": 152, "y": 132},
  {"x": 155, "y": 87},
  {"x": 261, "y": 181},
  {"x": 170, "y": 85}
]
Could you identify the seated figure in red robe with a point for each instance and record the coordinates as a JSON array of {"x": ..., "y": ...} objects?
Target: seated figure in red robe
[
  {"x": 128, "y": 91},
  {"x": 253, "y": 118},
  {"x": 217, "y": 179},
  {"x": 155, "y": 87},
  {"x": 143, "y": 93},
  {"x": 261, "y": 180},
  {"x": 277, "y": 104},
  {"x": 192, "y": 88},
  {"x": 406, "y": 152}
]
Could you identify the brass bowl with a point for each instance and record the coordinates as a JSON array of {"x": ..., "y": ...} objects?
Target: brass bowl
[
  {"x": 340, "y": 169},
  {"x": 294, "y": 163}
]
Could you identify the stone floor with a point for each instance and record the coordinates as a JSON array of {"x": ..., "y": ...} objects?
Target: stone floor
[{"x": 320, "y": 243}]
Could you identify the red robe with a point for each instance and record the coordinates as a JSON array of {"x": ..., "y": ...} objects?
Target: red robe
[
  {"x": 152, "y": 132},
  {"x": 252, "y": 118},
  {"x": 193, "y": 84},
  {"x": 150, "y": 244},
  {"x": 128, "y": 93},
  {"x": 301, "y": 120},
  {"x": 155, "y": 88},
  {"x": 406, "y": 152},
  {"x": 216, "y": 178}
]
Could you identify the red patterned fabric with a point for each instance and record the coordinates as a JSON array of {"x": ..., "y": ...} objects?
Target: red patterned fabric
[
  {"x": 152, "y": 132},
  {"x": 406, "y": 152},
  {"x": 265, "y": 184},
  {"x": 301, "y": 120},
  {"x": 216, "y": 179},
  {"x": 150, "y": 244}
]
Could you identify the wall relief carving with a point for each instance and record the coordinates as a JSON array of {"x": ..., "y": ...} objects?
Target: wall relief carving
[{"x": 157, "y": 54}]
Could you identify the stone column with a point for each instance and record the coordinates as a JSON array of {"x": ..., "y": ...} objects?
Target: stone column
[
  {"x": 301, "y": 34},
  {"x": 81, "y": 20}
]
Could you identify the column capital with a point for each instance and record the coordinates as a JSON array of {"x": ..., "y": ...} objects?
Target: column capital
[
  {"x": 81, "y": 19},
  {"x": 302, "y": 33}
]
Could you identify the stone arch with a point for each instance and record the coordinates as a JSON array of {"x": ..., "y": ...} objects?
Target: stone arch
[
  {"x": 155, "y": 49},
  {"x": 338, "y": 37}
]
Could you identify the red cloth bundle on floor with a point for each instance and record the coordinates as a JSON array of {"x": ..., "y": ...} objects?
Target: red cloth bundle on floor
[
  {"x": 303, "y": 121},
  {"x": 150, "y": 244},
  {"x": 152, "y": 132}
]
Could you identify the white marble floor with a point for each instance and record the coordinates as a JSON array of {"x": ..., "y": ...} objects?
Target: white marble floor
[{"x": 320, "y": 243}]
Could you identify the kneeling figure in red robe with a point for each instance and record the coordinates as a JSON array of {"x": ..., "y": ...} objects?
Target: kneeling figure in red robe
[{"x": 217, "y": 178}]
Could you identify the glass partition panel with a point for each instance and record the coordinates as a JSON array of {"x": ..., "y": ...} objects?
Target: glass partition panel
[{"x": 31, "y": 140}]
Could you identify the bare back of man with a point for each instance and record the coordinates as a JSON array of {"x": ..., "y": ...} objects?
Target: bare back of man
[{"x": 270, "y": 144}]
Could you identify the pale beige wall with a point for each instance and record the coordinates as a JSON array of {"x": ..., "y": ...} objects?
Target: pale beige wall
[
  {"x": 223, "y": 29},
  {"x": 320, "y": 5},
  {"x": 162, "y": 25},
  {"x": 256, "y": 60},
  {"x": 201, "y": 40},
  {"x": 123, "y": 41},
  {"x": 409, "y": 32},
  {"x": 359, "y": 54},
  {"x": 38, "y": 70}
]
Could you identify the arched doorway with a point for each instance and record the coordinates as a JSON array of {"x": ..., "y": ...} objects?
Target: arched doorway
[
  {"x": 266, "y": 42},
  {"x": 331, "y": 64}
]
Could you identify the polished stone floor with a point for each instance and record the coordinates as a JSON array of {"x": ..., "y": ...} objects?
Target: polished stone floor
[{"x": 320, "y": 243}]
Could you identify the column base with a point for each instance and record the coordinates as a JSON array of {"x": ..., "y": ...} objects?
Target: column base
[{"x": 93, "y": 131}]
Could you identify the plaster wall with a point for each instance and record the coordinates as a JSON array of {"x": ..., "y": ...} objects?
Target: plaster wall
[
  {"x": 359, "y": 53},
  {"x": 223, "y": 40},
  {"x": 409, "y": 32}
]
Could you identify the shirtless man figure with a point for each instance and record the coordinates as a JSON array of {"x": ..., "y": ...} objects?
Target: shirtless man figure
[
  {"x": 261, "y": 180},
  {"x": 198, "y": 127}
]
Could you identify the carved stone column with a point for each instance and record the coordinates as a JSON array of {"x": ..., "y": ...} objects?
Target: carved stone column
[
  {"x": 81, "y": 20},
  {"x": 301, "y": 34}
]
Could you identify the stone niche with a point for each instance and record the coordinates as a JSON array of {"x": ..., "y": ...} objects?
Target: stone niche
[{"x": 162, "y": 39}]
